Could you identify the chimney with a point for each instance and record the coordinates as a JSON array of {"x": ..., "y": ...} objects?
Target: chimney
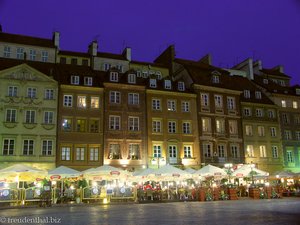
[
  {"x": 127, "y": 53},
  {"x": 257, "y": 66},
  {"x": 280, "y": 68},
  {"x": 93, "y": 48},
  {"x": 55, "y": 38}
]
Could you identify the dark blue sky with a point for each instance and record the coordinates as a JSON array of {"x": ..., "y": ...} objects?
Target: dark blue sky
[{"x": 231, "y": 30}]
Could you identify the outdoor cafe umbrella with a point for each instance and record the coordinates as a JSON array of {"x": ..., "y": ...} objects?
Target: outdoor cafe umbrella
[
  {"x": 210, "y": 170},
  {"x": 284, "y": 174},
  {"x": 248, "y": 171},
  {"x": 169, "y": 172},
  {"x": 106, "y": 172}
]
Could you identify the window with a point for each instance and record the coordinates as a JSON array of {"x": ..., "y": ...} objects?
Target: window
[
  {"x": 120, "y": 68},
  {"x": 158, "y": 75},
  {"x": 81, "y": 101},
  {"x": 204, "y": 99},
  {"x": 181, "y": 86},
  {"x": 63, "y": 60},
  {"x": 32, "y": 54},
  {"x": 31, "y": 92},
  {"x": 271, "y": 114},
  {"x": 295, "y": 105},
  {"x": 94, "y": 154},
  {"x": 249, "y": 131},
  {"x": 75, "y": 80},
  {"x": 233, "y": 128},
  {"x": 20, "y": 53},
  {"x": 80, "y": 125},
  {"x": 168, "y": 84},
  {"x": 221, "y": 151},
  {"x": 261, "y": 131},
  {"x": 258, "y": 94},
  {"x": 172, "y": 153},
  {"x": 8, "y": 146},
  {"x": 49, "y": 94},
  {"x": 247, "y": 94},
  {"x": 114, "y": 76},
  {"x": 30, "y": 116},
  {"x": 131, "y": 78},
  {"x": 187, "y": 151},
  {"x": 84, "y": 62},
  {"x": 12, "y": 91},
  {"x": 88, "y": 81},
  {"x": 250, "y": 151},
  {"x": 207, "y": 150},
  {"x": 28, "y": 147},
  {"x": 74, "y": 61},
  {"x": 218, "y": 101},
  {"x": 262, "y": 150},
  {"x": 11, "y": 115},
  {"x": 44, "y": 56},
  {"x": 289, "y": 156},
  {"x": 80, "y": 153},
  {"x": 185, "y": 106},
  {"x": 94, "y": 126},
  {"x": 171, "y": 104},
  {"x": 7, "y": 52},
  {"x": 95, "y": 102},
  {"x": 65, "y": 153},
  {"x": 215, "y": 79},
  {"x": 134, "y": 151},
  {"x": 287, "y": 135},
  {"x": 273, "y": 131},
  {"x": 133, "y": 98},
  {"x": 156, "y": 126},
  {"x": 206, "y": 127},
  {"x": 153, "y": 83},
  {"x": 247, "y": 112},
  {"x": 281, "y": 82},
  {"x": 133, "y": 123},
  {"x": 139, "y": 73},
  {"x": 275, "y": 151},
  {"x": 297, "y": 91},
  {"x": 297, "y": 135},
  {"x": 259, "y": 112},
  {"x": 235, "y": 153},
  {"x": 48, "y": 117},
  {"x": 67, "y": 124},
  {"x": 283, "y": 103},
  {"x": 114, "y": 151},
  {"x": 157, "y": 151},
  {"x": 68, "y": 100},
  {"x": 106, "y": 66},
  {"x": 297, "y": 119},
  {"x": 145, "y": 75},
  {"x": 114, "y": 97},
  {"x": 220, "y": 126},
  {"x": 231, "y": 103},
  {"x": 47, "y": 147},
  {"x": 285, "y": 118},
  {"x": 156, "y": 104},
  {"x": 171, "y": 126},
  {"x": 186, "y": 128},
  {"x": 114, "y": 122}
]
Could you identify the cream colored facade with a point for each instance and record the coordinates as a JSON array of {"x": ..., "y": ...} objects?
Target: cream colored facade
[{"x": 28, "y": 107}]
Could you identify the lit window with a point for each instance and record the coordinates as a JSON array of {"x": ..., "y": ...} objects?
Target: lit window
[
  {"x": 66, "y": 124},
  {"x": 65, "y": 153},
  {"x": 295, "y": 105},
  {"x": 81, "y": 101},
  {"x": 233, "y": 128},
  {"x": 171, "y": 104},
  {"x": 157, "y": 151},
  {"x": 206, "y": 126},
  {"x": 283, "y": 103},
  {"x": 220, "y": 126},
  {"x": 261, "y": 131},
  {"x": 114, "y": 151},
  {"x": 94, "y": 154},
  {"x": 95, "y": 102},
  {"x": 249, "y": 131},
  {"x": 262, "y": 151},
  {"x": 80, "y": 151},
  {"x": 250, "y": 151},
  {"x": 134, "y": 151},
  {"x": 187, "y": 151},
  {"x": 80, "y": 125}
]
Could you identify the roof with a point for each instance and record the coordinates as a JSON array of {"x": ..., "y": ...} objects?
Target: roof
[
  {"x": 275, "y": 71},
  {"x": 111, "y": 55},
  {"x": 26, "y": 40},
  {"x": 71, "y": 53},
  {"x": 148, "y": 63}
]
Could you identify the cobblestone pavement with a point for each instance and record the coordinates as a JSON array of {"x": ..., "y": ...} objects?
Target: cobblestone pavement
[{"x": 275, "y": 211}]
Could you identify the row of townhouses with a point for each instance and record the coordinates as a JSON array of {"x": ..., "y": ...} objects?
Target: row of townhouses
[{"x": 85, "y": 110}]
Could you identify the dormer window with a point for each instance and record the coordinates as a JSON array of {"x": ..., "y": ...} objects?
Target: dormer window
[
  {"x": 114, "y": 76},
  {"x": 297, "y": 91},
  {"x": 168, "y": 84},
  {"x": 153, "y": 83},
  {"x": 216, "y": 79},
  {"x": 120, "y": 68},
  {"x": 158, "y": 75},
  {"x": 181, "y": 86},
  {"x": 139, "y": 73},
  {"x": 88, "y": 81},
  {"x": 106, "y": 66},
  {"x": 246, "y": 93},
  {"x": 258, "y": 95},
  {"x": 145, "y": 74},
  {"x": 265, "y": 81},
  {"x": 75, "y": 80},
  {"x": 131, "y": 78}
]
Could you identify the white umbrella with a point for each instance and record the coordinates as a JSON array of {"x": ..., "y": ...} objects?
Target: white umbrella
[
  {"x": 284, "y": 174},
  {"x": 190, "y": 170},
  {"x": 106, "y": 172},
  {"x": 247, "y": 171},
  {"x": 171, "y": 172},
  {"x": 210, "y": 170},
  {"x": 63, "y": 172}
]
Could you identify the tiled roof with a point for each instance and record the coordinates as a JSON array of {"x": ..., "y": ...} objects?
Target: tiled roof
[
  {"x": 111, "y": 55},
  {"x": 148, "y": 63},
  {"x": 26, "y": 40},
  {"x": 274, "y": 72},
  {"x": 71, "y": 53}
]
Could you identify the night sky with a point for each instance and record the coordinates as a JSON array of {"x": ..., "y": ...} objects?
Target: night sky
[{"x": 231, "y": 30}]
